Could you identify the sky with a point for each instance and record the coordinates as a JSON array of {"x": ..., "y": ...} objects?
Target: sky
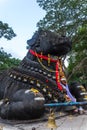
[{"x": 22, "y": 16}]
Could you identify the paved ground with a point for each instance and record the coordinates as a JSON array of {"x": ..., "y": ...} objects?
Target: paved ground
[{"x": 64, "y": 123}]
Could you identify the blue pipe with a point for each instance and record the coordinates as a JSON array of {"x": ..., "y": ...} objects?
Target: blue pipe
[{"x": 65, "y": 104}]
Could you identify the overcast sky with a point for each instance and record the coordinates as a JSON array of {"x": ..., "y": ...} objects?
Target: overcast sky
[{"x": 22, "y": 16}]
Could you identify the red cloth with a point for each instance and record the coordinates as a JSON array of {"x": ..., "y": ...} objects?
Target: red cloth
[{"x": 56, "y": 68}]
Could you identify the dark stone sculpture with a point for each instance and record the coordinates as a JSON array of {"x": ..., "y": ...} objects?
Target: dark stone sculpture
[{"x": 25, "y": 89}]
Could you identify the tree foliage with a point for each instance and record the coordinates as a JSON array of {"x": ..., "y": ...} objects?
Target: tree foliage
[
  {"x": 78, "y": 59},
  {"x": 6, "y": 60},
  {"x": 64, "y": 16},
  {"x": 6, "y": 31}
]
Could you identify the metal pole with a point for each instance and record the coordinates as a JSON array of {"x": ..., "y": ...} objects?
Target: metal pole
[{"x": 66, "y": 104}]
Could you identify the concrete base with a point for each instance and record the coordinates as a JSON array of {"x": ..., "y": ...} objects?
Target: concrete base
[{"x": 70, "y": 122}]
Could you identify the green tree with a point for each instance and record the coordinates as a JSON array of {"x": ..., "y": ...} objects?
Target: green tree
[
  {"x": 78, "y": 59},
  {"x": 6, "y": 31},
  {"x": 6, "y": 60},
  {"x": 63, "y": 16}
]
